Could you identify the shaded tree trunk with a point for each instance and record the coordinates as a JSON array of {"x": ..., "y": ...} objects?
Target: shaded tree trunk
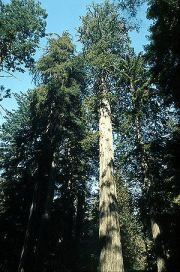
[
  {"x": 27, "y": 253},
  {"x": 147, "y": 184},
  {"x": 109, "y": 230},
  {"x": 47, "y": 192},
  {"x": 35, "y": 245}
]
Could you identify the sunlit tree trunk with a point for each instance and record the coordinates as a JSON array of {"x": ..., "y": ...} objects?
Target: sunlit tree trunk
[
  {"x": 160, "y": 262},
  {"x": 109, "y": 231}
]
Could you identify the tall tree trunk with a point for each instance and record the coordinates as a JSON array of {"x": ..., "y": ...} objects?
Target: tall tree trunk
[
  {"x": 36, "y": 237},
  {"x": 27, "y": 253},
  {"x": 43, "y": 234},
  {"x": 160, "y": 262},
  {"x": 147, "y": 183},
  {"x": 111, "y": 259}
]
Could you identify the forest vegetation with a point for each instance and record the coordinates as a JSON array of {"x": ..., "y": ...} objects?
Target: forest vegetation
[{"x": 90, "y": 159}]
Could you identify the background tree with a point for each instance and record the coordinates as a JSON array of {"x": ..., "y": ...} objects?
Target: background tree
[
  {"x": 22, "y": 24},
  {"x": 17, "y": 168},
  {"x": 148, "y": 120},
  {"x": 47, "y": 151},
  {"x": 163, "y": 56},
  {"x": 63, "y": 130},
  {"x": 163, "y": 52}
]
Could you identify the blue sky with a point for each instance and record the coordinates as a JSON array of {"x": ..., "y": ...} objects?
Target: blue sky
[{"x": 65, "y": 15}]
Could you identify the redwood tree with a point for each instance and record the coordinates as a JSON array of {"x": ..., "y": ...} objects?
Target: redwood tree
[{"x": 104, "y": 37}]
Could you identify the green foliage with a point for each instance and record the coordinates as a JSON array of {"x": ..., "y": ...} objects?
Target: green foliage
[
  {"x": 140, "y": 166},
  {"x": 163, "y": 55},
  {"x": 15, "y": 121},
  {"x": 105, "y": 41},
  {"x": 17, "y": 169},
  {"x": 89, "y": 140},
  {"x": 133, "y": 244},
  {"x": 163, "y": 52},
  {"x": 134, "y": 72},
  {"x": 4, "y": 93},
  {"x": 49, "y": 145},
  {"x": 43, "y": 159},
  {"x": 131, "y": 6},
  {"x": 57, "y": 57},
  {"x": 22, "y": 24},
  {"x": 104, "y": 36}
]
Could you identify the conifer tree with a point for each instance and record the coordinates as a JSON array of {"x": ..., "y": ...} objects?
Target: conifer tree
[
  {"x": 16, "y": 162},
  {"x": 163, "y": 52},
  {"x": 139, "y": 81},
  {"x": 56, "y": 105},
  {"x": 104, "y": 37},
  {"x": 22, "y": 25},
  {"x": 146, "y": 120},
  {"x": 41, "y": 157}
]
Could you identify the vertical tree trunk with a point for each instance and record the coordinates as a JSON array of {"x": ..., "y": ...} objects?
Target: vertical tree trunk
[
  {"x": 27, "y": 253},
  {"x": 147, "y": 183},
  {"x": 156, "y": 232},
  {"x": 36, "y": 237},
  {"x": 43, "y": 233},
  {"x": 111, "y": 259}
]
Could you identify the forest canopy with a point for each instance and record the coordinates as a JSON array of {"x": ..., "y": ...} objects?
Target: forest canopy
[{"x": 90, "y": 158}]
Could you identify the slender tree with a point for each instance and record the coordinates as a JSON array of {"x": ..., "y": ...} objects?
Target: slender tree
[
  {"x": 104, "y": 37},
  {"x": 61, "y": 131},
  {"x": 149, "y": 145},
  {"x": 41, "y": 152}
]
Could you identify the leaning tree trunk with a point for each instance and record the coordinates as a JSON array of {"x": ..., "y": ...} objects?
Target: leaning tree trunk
[{"x": 111, "y": 259}]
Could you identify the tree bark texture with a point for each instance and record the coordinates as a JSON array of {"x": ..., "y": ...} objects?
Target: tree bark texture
[
  {"x": 156, "y": 233},
  {"x": 27, "y": 254},
  {"x": 36, "y": 237},
  {"x": 111, "y": 259}
]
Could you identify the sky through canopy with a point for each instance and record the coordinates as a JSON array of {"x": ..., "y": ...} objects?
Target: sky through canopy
[{"x": 65, "y": 16}]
